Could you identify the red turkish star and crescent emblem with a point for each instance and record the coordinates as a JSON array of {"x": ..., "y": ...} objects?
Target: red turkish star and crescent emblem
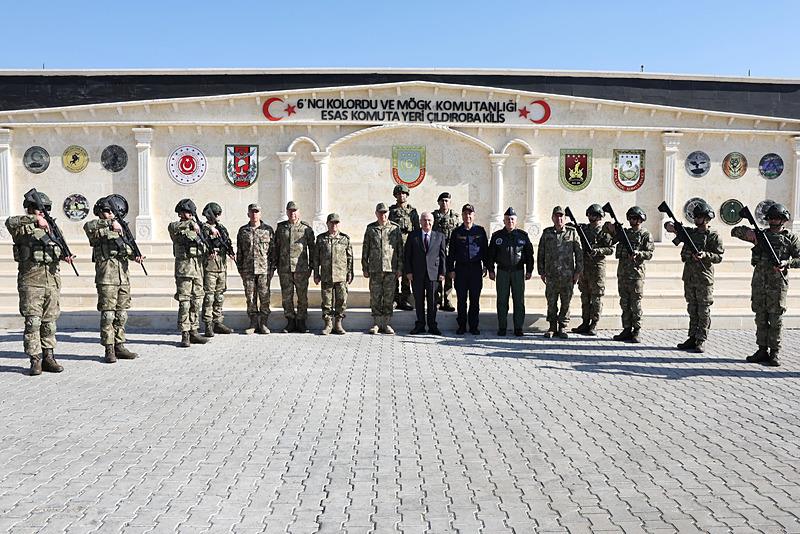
[
  {"x": 188, "y": 164},
  {"x": 269, "y": 109},
  {"x": 524, "y": 112},
  {"x": 290, "y": 110}
]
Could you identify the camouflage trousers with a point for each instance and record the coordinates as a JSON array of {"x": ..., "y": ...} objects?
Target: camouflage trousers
[
  {"x": 768, "y": 301},
  {"x": 444, "y": 293},
  {"x": 381, "y": 293},
  {"x": 558, "y": 290},
  {"x": 256, "y": 294},
  {"x": 113, "y": 302},
  {"x": 214, "y": 285},
  {"x": 334, "y": 299},
  {"x": 699, "y": 299},
  {"x": 39, "y": 306},
  {"x": 294, "y": 284},
  {"x": 189, "y": 295},
  {"x": 592, "y": 285},
  {"x": 630, "y": 302}
]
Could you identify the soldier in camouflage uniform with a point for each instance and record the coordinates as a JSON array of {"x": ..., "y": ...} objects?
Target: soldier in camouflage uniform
[
  {"x": 631, "y": 271},
  {"x": 559, "y": 263},
  {"x": 38, "y": 284},
  {"x": 380, "y": 262},
  {"x": 255, "y": 260},
  {"x": 406, "y": 217},
  {"x": 188, "y": 249},
  {"x": 333, "y": 266},
  {"x": 698, "y": 274},
  {"x": 592, "y": 283},
  {"x": 110, "y": 254},
  {"x": 294, "y": 247},
  {"x": 215, "y": 273},
  {"x": 445, "y": 220},
  {"x": 768, "y": 287}
]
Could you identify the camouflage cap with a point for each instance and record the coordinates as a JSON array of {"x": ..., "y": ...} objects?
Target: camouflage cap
[
  {"x": 510, "y": 212},
  {"x": 381, "y": 207},
  {"x": 558, "y": 210},
  {"x": 254, "y": 207},
  {"x": 401, "y": 188},
  {"x": 443, "y": 196},
  {"x": 291, "y": 205},
  {"x": 333, "y": 217},
  {"x": 468, "y": 207}
]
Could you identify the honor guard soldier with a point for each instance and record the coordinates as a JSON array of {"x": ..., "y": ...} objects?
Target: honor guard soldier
[
  {"x": 444, "y": 221},
  {"x": 406, "y": 217},
  {"x": 110, "y": 254},
  {"x": 215, "y": 270},
  {"x": 255, "y": 260},
  {"x": 38, "y": 282},
  {"x": 294, "y": 246},
  {"x": 559, "y": 264},
  {"x": 631, "y": 271},
  {"x": 769, "y": 285},
  {"x": 698, "y": 274},
  {"x": 381, "y": 263},
  {"x": 511, "y": 250},
  {"x": 188, "y": 249},
  {"x": 466, "y": 266},
  {"x": 333, "y": 267},
  {"x": 592, "y": 282}
]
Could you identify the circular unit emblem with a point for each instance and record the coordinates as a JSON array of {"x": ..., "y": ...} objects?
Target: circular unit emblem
[
  {"x": 688, "y": 208},
  {"x": 734, "y": 165},
  {"x": 729, "y": 211},
  {"x": 761, "y": 211},
  {"x": 75, "y": 158},
  {"x": 36, "y": 159},
  {"x": 770, "y": 166},
  {"x": 76, "y": 207},
  {"x": 187, "y": 165},
  {"x": 697, "y": 164},
  {"x": 114, "y": 158}
]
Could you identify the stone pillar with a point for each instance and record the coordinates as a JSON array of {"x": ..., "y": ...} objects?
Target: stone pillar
[
  {"x": 5, "y": 181},
  {"x": 144, "y": 220},
  {"x": 532, "y": 226},
  {"x": 796, "y": 194},
  {"x": 497, "y": 161},
  {"x": 671, "y": 142},
  {"x": 320, "y": 217},
  {"x": 287, "y": 162}
]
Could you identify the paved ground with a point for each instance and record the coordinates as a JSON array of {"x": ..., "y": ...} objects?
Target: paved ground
[{"x": 304, "y": 433}]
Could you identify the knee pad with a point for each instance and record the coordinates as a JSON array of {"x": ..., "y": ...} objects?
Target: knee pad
[{"x": 33, "y": 322}]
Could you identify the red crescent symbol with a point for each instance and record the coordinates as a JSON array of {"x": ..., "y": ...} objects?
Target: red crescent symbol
[
  {"x": 187, "y": 164},
  {"x": 265, "y": 108},
  {"x": 545, "y": 107}
]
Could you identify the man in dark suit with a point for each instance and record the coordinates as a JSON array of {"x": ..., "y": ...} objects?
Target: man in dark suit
[{"x": 425, "y": 267}]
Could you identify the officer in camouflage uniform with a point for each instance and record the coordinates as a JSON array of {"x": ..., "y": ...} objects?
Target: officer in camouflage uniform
[
  {"x": 294, "y": 247},
  {"x": 631, "y": 271},
  {"x": 380, "y": 263},
  {"x": 110, "y": 254},
  {"x": 592, "y": 283},
  {"x": 38, "y": 284},
  {"x": 406, "y": 217},
  {"x": 698, "y": 274},
  {"x": 559, "y": 263},
  {"x": 215, "y": 273},
  {"x": 768, "y": 289},
  {"x": 188, "y": 250},
  {"x": 445, "y": 220},
  {"x": 255, "y": 260},
  {"x": 333, "y": 266}
]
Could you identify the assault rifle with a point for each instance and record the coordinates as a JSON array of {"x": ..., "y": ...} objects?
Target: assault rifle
[
  {"x": 762, "y": 239},
  {"x": 585, "y": 240},
  {"x": 55, "y": 232},
  {"x": 224, "y": 239},
  {"x": 683, "y": 235},
  {"x": 202, "y": 238},
  {"x": 127, "y": 235},
  {"x": 620, "y": 230}
]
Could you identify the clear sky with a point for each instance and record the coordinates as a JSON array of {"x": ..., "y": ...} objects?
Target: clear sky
[{"x": 678, "y": 36}]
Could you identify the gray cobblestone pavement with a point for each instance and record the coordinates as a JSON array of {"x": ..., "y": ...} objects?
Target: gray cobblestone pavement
[{"x": 304, "y": 433}]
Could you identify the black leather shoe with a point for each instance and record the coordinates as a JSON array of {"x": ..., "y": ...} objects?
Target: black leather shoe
[
  {"x": 417, "y": 330},
  {"x": 474, "y": 331},
  {"x": 501, "y": 332},
  {"x": 434, "y": 331},
  {"x": 518, "y": 332},
  {"x": 461, "y": 330}
]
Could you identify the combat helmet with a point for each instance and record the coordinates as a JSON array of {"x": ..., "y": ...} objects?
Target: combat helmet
[
  {"x": 636, "y": 211},
  {"x": 101, "y": 205},
  {"x": 30, "y": 203},
  {"x": 594, "y": 209},
  {"x": 778, "y": 211},
  {"x": 185, "y": 205},
  {"x": 703, "y": 209},
  {"x": 212, "y": 210}
]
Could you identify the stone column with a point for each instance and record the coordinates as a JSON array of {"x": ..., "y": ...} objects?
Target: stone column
[
  {"x": 287, "y": 162},
  {"x": 5, "y": 181},
  {"x": 144, "y": 220},
  {"x": 671, "y": 142},
  {"x": 497, "y": 161},
  {"x": 796, "y": 194},
  {"x": 320, "y": 217},
  {"x": 532, "y": 226}
]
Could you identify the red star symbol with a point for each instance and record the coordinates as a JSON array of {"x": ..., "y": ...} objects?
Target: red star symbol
[
  {"x": 290, "y": 110},
  {"x": 524, "y": 112}
]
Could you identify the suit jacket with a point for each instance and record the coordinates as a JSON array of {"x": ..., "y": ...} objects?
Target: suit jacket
[{"x": 420, "y": 263}]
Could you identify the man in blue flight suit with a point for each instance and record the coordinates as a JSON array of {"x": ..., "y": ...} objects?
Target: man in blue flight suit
[{"x": 466, "y": 266}]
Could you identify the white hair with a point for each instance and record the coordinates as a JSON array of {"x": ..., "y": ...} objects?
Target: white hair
[{"x": 426, "y": 214}]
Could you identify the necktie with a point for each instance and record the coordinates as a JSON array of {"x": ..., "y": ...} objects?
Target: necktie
[{"x": 426, "y": 242}]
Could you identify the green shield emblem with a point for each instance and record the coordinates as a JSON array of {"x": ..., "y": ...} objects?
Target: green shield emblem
[{"x": 408, "y": 165}]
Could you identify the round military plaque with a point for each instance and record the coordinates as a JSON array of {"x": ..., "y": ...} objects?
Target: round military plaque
[
  {"x": 770, "y": 166},
  {"x": 761, "y": 211},
  {"x": 114, "y": 158},
  {"x": 75, "y": 158},
  {"x": 36, "y": 159},
  {"x": 729, "y": 211},
  {"x": 734, "y": 165},
  {"x": 688, "y": 208},
  {"x": 186, "y": 165},
  {"x": 697, "y": 163},
  {"x": 76, "y": 207}
]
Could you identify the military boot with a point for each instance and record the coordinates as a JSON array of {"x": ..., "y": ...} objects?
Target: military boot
[
  {"x": 49, "y": 363},
  {"x": 291, "y": 326},
  {"x": 328, "y": 326},
  {"x": 560, "y": 334},
  {"x": 758, "y": 356},
  {"x": 591, "y": 330},
  {"x": 36, "y": 365},
  {"x": 387, "y": 328},
  {"x": 262, "y": 327},
  {"x": 196, "y": 338},
  {"x": 634, "y": 337},
  {"x": 551, "y": 331},
  {"x": 253, "y": 325},
  {"x": 209, "y": 330},
  {"x": 123, "y": 353},
  {"x": 699, "y": 347},
  {"x": 688, "y": 344},
  {"x": 772, "y": 360},
  {"x": 338, "y": 328},
  {"x": 623, "y": 336},
  {"x": 111, "y": 356},
  {"x": 301, "y": 327},
  {"x": 222, "y": 328},
  {"x": 375, "y": 328},
  {"x": 185, "y": 339},
  {"x": 581, "y": 328}
]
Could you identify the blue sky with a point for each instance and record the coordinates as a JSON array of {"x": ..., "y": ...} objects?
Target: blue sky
[{"x": 694, "y": 37}]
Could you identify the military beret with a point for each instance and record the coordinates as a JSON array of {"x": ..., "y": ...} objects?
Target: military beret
[
  {"x": 443, "y": 196},
  {"x": 291, "y": 205},
  {"x": 381, "y": 207},
  {"x": 333, "y": 217},
  {"x": 558, "y": 209},
  {"x": 510, "y": 212},
  {"x": 468, "y": 207}
]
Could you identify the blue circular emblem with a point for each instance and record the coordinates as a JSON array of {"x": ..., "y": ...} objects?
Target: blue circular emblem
[{"x": 770, "y": 166}]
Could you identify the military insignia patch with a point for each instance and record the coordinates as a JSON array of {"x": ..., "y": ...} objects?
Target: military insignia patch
[
  {"x": 114, "y": 158},
  {"x": 76, "y": 207},
  {"x": 688, "y": 208},
  {"x": 734, "y": 165},
  {"x": 697, "y": 164},
  {"x": 75, "y": 158},
  {"x": 629, "y": 168},
  {"x": 36, "y": 159},
  {"x": 186, "y": 165},
  {"x": 408, "y": 165},
  {"x": 575, "y": 168},
  {"x": 761, "y": 211},
  {"x": 241, "y": 164},
  {"x": 729, "y": 211},
  {"x": 770, "y": 166}
]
